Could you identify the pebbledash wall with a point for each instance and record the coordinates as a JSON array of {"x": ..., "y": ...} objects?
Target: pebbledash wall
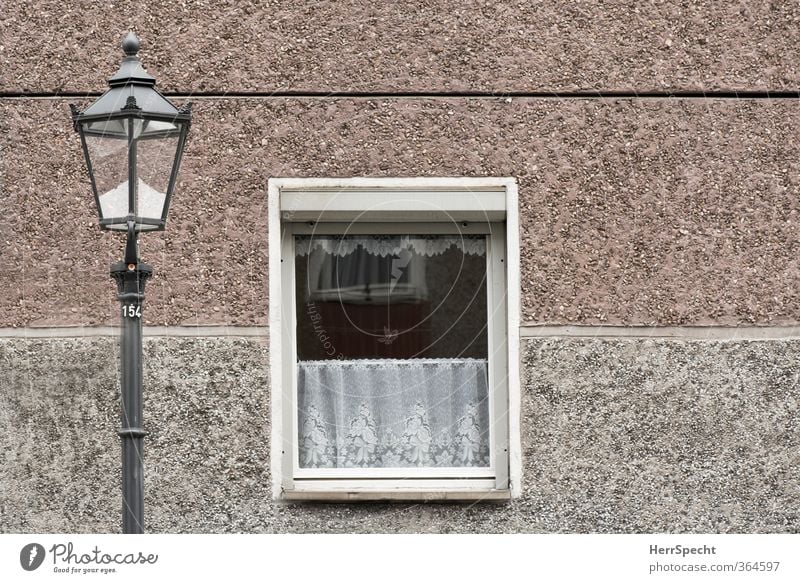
[{"x": 655, "y": 148}]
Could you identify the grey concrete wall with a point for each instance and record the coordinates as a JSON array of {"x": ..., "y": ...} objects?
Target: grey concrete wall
[
  {"x": 416, "y": 45},
  {"x": 618, "y": 435},
  {"x": 633, "y": 212}
]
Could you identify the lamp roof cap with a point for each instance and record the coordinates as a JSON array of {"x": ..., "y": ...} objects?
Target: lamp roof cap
[{"x": 131, "y": 70}]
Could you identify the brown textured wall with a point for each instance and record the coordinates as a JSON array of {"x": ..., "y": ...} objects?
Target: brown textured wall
[
  {"x": 420, "y": 45},
  {"x": 632, "y": 212}
]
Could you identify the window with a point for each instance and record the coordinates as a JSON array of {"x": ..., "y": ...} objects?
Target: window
[{"x": 393, "y": 371}]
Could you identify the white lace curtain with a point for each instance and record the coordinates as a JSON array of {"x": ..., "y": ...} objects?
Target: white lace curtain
[
  {"x": 387, "y": 245},
  {"x": 393, "y": 413}
]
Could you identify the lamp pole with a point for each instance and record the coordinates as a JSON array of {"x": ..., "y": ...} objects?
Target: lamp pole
[
  {"x": 133, "y": 139},
  {"x": 131, "y": 276}
]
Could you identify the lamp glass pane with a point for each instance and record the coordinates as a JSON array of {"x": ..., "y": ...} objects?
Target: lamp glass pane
[
  {"x": 114, "y": 203},
  {"x": 150, "y": 201},
  {"x": 154, "y": 161},
  {"x": 154, "y": 127},
  {"x": 109, "y": 158},
  {"x": 117, "y": 128}
]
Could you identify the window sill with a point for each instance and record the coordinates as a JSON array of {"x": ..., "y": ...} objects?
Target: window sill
[{"x": 397, "y": 495}]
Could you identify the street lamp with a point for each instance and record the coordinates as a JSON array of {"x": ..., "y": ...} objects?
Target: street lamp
[{"x": 133, "y": 139}]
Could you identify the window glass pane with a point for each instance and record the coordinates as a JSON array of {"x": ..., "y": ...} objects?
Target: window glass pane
[
  {"x": 392, "y": 351},
  {"x": 391, "y": 297},
  {"x": 393, "y": 413}
]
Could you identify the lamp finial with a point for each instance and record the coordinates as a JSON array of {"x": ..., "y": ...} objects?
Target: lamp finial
[{"x": 130, "y": 44}]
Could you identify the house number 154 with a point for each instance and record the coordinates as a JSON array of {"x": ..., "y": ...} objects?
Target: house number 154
[{"x": 132, "y": 311}]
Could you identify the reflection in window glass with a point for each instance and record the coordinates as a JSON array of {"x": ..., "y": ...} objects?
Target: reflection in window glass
[{"x": 391, "y": 297}]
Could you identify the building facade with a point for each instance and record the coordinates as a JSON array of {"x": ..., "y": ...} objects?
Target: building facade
[{"x": 652, "y": 148}]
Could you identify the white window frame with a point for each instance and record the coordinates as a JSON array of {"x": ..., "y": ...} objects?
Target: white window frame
[{"x": 399, "y": 205}]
